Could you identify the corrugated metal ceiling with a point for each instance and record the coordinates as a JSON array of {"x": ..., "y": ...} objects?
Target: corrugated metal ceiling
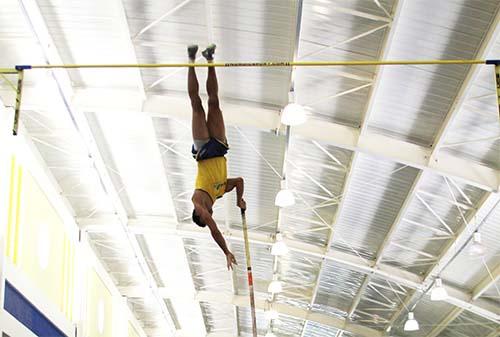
[{"x": 410, "y": 103}]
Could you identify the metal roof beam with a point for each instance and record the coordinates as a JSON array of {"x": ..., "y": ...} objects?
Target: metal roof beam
[
  {"x": 494, "y": 333},
  {"x": 288, "y": 310},
  {"x": 485, "y": 48},
  {"x": 360, "y": 14},
  {"x": 125, "y": 30},
  {"x": 462, "y": 236},
  {"x": 397, "y": 9},
  {"x": 479, "y": 289},
  {"x": 178, "y": 293},
  {"x": 444, "y": 323},
  {"x": 140, "y": 226},
  {"x": 245, "y": 114},
  {"x": 463, "y": 300},
  {"x": 486, "y": 45},
  {"x": 457, "y": 296},
  {"x": 487, "y": 282},
  {"x": 387, "y": 240},
  {"x": 291, "y": 91},
  {"x": 345, "y": 189}
]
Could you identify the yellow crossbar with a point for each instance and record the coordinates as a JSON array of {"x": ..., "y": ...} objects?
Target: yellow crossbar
[
  {"x": 261, "y": 64},
  {"x": 8, "y": 71}
]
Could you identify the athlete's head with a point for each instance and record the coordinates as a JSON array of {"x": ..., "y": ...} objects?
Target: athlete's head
[{"x": 197, "y": 219}]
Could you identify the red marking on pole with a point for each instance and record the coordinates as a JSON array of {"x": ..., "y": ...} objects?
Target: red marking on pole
[{"x": 250, "y": 278}]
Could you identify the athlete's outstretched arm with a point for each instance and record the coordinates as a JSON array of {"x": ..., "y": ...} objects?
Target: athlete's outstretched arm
[
  {"x": 217, "y": 235},
  {"x": 239, "y": 184}
]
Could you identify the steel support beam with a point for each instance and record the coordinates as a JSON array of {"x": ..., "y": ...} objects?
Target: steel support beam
[
  {"x": 359, "y": 14},
  {"x": 338, "y": 213},
  {"x": 245, "y": 114},
  {"x": 485, "y": 48},
  {"x": 340, "y": 208},
  {"x": 398, "y": 8},
  {"x": 399, "y": 218},
  {"x": 81, "y": 126},
  {"x": 125, "y": 29},
  {"x": 457, "y": 296},
  {"x": 288, "y": 310},
  {"x": 169, "y": 292},
  {"x": 444, "y": 323},
  {"x": 290, "y": 91},
  {"x": 494, "y": 333},
  {"x": 141, "y": 226},
  {"x": 487, "y": 282},
  {"x": 358, "y": 296},
  {"x": 462, "y": 235},
  {"x": 241, "y": 113},
  {"x": 481, "y": 287}
]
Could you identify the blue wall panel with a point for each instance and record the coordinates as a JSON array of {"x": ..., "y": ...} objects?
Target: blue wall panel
[{"x": 26, "y": 313}]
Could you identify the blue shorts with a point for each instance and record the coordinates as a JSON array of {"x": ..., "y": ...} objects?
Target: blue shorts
[{"x": 211, "y": 149}]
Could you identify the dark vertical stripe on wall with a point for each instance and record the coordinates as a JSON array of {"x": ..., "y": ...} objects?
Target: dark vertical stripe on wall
[{"x": 26, "y": 313}]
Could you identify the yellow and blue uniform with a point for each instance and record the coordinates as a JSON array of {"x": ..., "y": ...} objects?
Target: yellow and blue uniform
[
  {"x": 212, "y": 168},
  {"x": 212, "y": 176}
]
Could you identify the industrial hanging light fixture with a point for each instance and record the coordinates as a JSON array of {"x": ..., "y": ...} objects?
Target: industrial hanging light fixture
[
  {"x": 477, "y": 249},
  {"x": 285, "y": 197},
  {"x": 275, "y": 286},
  {"x": 411, "y": 324},
  {"x": 293, "y": 113},
  {"x": 438, "y": 292},
  {"x": 279, "y": 247}
]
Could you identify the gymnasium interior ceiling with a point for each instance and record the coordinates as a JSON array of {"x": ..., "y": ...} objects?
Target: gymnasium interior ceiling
[{"x": 393, "y": 172}]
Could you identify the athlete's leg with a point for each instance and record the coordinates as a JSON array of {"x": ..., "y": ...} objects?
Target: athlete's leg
[
  {"x": 215, "y": 120},
  {"x": 199, "y": 123}
]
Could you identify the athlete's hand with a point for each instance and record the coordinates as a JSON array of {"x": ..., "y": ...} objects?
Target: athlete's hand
[
  {"x": 230, "y": 260},
  {"x": 242, "y": 204}
]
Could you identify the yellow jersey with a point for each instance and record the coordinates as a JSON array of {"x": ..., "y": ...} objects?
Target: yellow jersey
[{"x": 212, "y": 177}]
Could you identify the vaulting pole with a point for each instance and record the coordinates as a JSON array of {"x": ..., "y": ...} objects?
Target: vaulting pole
[
  {"x": 497, "y": 78},
  {"x": 249, "y": 272},
  {"x": 19, "y": 93}
]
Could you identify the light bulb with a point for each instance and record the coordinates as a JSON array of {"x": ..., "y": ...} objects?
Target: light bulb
[
  {"x": 438, "y": 293},
  {"x": 477, "y": 248},
  {"x": 293, "y": 114},
  {"x": 270, "y": 334},
  {"x": 285, "y": 197},
  {"x": 279, "y": 247},
  {"x": 275, "y": 286},
  {"x": 411, "y": 324}
]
